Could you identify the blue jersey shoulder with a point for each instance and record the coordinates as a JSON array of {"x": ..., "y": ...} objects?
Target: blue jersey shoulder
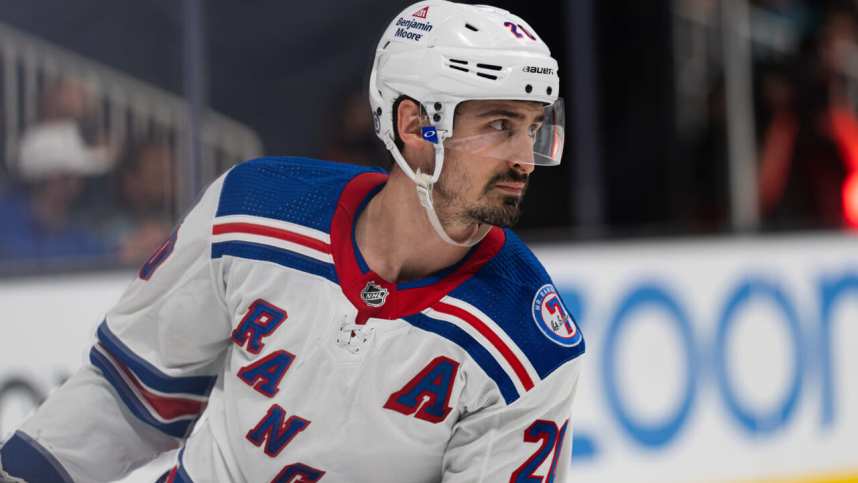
[
  {"x": 299, "y": 190},
  {"x": 514, "y": 289}
]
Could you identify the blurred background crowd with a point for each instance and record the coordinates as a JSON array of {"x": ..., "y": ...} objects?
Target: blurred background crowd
[{"x": 684, "y": 117}]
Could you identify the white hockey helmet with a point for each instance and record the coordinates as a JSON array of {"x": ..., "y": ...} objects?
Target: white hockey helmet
[{"x": 441, "y": 53}]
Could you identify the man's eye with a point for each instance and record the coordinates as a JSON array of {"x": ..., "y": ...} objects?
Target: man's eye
[
  {"x": 499, "y": 125},
  {"x": 534, "y": 128}
]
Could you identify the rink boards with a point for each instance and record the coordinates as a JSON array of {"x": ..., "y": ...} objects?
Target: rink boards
[{"x": 722, "y": 360}]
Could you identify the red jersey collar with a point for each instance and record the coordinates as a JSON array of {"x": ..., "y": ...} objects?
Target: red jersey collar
[{"x": 375, "y": 297}]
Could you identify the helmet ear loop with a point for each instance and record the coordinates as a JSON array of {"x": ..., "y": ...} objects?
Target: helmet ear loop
[
  {"x": 435, "y": 131},
  {"x": 439, "y": 156},
  {"x": 426, "y": 182},
  {"x": 437, "y": 140}
]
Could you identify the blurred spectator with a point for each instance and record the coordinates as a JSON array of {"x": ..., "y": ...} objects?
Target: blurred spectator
[
  {"x": 352, "y": 138},
  {"x": 806, "y": 128},
  {"x": 39, "y": 217},
  {"x": 142, "y": 216},
  {"x": 60, "y": 138},
  {"x": 809, "y": 143},
  {"x": 53, "y": 162}
]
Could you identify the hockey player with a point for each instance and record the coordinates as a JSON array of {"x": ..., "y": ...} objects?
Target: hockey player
[{"x": 311, "y": 321}]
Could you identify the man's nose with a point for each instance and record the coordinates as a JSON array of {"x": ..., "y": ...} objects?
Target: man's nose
[
  {"x": 522, "y": 158},
  {"x": 521, "y": 167}
]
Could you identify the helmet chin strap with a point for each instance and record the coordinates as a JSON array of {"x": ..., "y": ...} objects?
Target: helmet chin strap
[{"x": 424, "y": 184}]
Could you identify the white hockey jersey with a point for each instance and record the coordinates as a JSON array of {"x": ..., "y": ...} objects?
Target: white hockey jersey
[{"x": 260, "y": 313}]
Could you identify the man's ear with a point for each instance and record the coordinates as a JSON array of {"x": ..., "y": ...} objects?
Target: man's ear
[{"x": 409, "y": 120}]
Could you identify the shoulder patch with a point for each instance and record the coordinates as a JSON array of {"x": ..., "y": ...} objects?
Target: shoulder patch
[{"x": 552, "y": 318}]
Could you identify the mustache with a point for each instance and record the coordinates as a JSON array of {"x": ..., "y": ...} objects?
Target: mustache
[{"x": 511, "y": 175}]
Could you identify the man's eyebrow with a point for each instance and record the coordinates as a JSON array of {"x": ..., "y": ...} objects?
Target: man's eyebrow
[
  {"x": 507, "y": 113},
  {"x": 501, "y": 113}
]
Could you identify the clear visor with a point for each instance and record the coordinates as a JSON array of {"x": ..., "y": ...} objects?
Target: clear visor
[{"x": 526, "y": 136}]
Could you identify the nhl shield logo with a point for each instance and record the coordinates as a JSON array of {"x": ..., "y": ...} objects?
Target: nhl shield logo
[
  {"x": 374, "y": 294},
  {"x": 553, "y": 319}
]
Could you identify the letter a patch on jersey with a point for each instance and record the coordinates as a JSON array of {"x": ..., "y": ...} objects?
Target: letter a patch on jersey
[{"x": 428, "y": 393}]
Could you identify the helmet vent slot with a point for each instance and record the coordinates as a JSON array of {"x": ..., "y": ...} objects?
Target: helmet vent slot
[
  {"x": 489, "y": 66},
  {"x": 471, "y": 27},
  {"x": 478, "y": 69}
]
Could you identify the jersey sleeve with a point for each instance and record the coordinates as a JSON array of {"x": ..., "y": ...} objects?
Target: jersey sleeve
[
  {"x": 526, "y": 441},
  {"x": 151, "y": 369}
]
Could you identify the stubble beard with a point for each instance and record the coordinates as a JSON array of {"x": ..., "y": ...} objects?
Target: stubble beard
[{"x": 492, "y": 208}]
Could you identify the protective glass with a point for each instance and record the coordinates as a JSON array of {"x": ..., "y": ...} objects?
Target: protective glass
[{"x": 513, "y": 137}]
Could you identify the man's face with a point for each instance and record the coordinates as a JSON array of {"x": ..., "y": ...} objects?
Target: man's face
[{"x": 484, "y": 179}]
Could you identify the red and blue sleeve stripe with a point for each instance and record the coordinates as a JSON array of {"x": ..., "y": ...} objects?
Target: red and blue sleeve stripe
[
  {"x": 177, "y": 474},
  {"x": 167, "y": 403}
]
